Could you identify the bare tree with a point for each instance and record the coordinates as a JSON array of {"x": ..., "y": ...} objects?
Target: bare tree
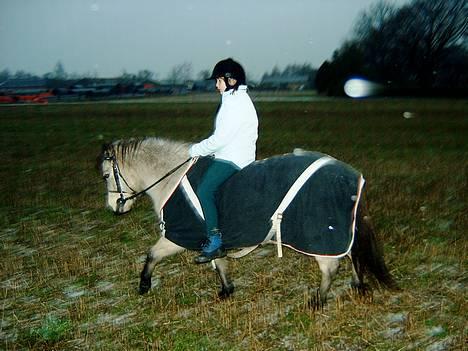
[
  {"x": 20, "y": 74},
  {"x": 411, "y": 43},
  {"x": 440, "y": 25},
  {"x": 5, "y": 75},
  {"x": 421, "y": 45},
  {"x": 145, "y": 75},
  {"x": 204, "y": 74},
  {"x": 181, "y": 73}
]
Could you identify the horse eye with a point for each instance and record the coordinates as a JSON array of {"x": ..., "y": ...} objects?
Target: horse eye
[{"x": 105, "y": 176}]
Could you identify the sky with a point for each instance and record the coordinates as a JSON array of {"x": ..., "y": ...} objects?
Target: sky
[{"x": 108, "y": 37}]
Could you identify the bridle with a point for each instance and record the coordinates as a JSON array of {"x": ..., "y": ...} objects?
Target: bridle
[{"x": 118, "y": 176}]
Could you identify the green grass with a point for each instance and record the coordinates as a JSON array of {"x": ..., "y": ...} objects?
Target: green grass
[
  {"x": 70, "y": 269},
  {"x": 51, "y": 331}
]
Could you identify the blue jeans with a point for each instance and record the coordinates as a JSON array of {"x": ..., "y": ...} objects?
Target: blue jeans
[{"x": 218, "y": 172}]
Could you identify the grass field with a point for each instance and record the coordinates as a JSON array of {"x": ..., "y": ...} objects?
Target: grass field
[{"x": 69, "y": 269}]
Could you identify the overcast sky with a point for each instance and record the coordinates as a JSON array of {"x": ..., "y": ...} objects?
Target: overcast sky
[{"x": 107, "y": 37}]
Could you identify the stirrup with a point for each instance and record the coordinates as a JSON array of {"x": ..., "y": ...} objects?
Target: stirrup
[{"x": 205, "y": 257}]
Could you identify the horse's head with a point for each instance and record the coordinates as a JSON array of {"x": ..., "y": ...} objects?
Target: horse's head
[{"x": 119, "y": 192}]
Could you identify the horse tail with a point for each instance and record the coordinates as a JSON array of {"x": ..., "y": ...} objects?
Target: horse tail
[{"x": 367, "y": 253}]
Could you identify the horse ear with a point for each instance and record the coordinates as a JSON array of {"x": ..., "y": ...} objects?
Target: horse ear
[{"x": 105, "y": 152}]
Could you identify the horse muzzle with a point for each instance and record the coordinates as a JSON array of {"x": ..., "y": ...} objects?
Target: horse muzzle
[{"x": 120, "y": 206}]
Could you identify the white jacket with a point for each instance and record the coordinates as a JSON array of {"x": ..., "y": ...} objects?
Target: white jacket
[{"x": 236, "y": 130}]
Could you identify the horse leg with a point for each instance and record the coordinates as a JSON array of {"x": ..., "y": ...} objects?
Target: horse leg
[
  {"x": 221, "y": 267},
  {"x": 357, "y": 280},
  {"x": 328, "y": 266},
  {"x": 163, "y": 248}
]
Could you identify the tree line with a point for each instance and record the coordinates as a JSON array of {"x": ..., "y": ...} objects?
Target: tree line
[
  {"x": 420, "y": 47},
  {"x": 179, "y": 74}
]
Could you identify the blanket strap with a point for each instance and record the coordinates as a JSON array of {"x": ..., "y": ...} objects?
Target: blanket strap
[
  {"x": 242, "y": 252},
  {"x": 187, "y": 187},
  {"x": 279, "y": 246},
  {"x": 277, "y": 216},
  {"x": 162, "y": 224}
]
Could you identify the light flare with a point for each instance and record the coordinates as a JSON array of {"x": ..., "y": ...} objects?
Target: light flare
[{"x": 360, "y": 87}]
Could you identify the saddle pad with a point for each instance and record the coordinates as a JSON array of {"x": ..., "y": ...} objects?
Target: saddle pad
[{"x": 318, "y": 221}]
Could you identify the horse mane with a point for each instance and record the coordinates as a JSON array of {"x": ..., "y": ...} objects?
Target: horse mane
[
  {"x": 125, "y": 149},
  {"x": 150, "y": 148}
]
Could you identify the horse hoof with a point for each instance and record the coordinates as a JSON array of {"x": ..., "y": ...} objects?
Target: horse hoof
[
  {"x": 362, "y": 292},
  {"x": 361, "y": 289},
  {"x": 145, "y": 286},
  {"x": 316, "y": 303},
  {"x": 226, "y": 292}
]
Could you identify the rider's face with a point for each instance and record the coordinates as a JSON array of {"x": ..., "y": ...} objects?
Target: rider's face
[{"x": 220, "y": 85}]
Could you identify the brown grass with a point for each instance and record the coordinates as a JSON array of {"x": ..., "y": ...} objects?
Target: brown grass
[{"x": 69, "y": 270}]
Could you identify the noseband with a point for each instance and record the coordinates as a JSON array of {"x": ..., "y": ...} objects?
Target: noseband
[{"x": 118, "y": 175}]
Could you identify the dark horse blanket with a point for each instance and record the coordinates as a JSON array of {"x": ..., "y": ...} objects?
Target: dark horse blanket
[{"x": 319, "y": 220}]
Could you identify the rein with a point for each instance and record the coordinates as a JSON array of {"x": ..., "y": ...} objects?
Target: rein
[{"x": 117, "y": 175}]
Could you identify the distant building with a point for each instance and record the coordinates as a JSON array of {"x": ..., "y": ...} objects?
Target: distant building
[
  {"x": 32, "y": 89},
  {"x": 94, "y": 86},
  {"x": 203, "y": 85},
  {"x": 24, "y": 86},
  {"x": 285, "y": 82}
]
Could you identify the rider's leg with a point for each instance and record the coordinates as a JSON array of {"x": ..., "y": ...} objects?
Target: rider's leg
[{"x": 213, "y": 178}]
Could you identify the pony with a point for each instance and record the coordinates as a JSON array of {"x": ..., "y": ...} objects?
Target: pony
[{"x": 155, "y": 167}]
